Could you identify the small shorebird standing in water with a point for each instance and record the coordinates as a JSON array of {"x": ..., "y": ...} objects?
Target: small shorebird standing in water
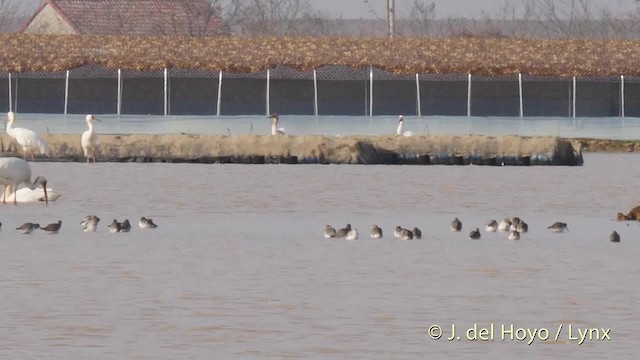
[
  {"x": 115, "y": 226},
  {"x": 376, "y": 232},
  {"x": 397, "y": 232},
  {"x": 125, "y": 226},
  {"x": 329, "y": 231},
  {"x": 145, "y": 223},
  {"x": 614, "y": 237},
  {"x": 344, "y": 231},
  {"x": 558, "y": 227},
  {"x": 492, "y": 226},
  {"x": 52, "y": 228},
  {"x": 417, "y": 233},
  {"x": 514, "y": 235},
  {"x": 90, "y": 223},
  {"x": 28, "y": 228},
  {"x": 504, "y": 224},
  {"x": 405, "y": 234},
  {"x": 475, "y": 234},
  {"x": 352, "y": 234},
  {"x": 456, "y": 225}
]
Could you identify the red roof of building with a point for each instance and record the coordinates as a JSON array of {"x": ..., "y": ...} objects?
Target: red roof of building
[{"x": 138, "y": 17}]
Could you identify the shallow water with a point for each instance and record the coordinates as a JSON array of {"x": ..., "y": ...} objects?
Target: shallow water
[
  {"x": 238, "y": 267},
  {"x": 608, "y": 128}
]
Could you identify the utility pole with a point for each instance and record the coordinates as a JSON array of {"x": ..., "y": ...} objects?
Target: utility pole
[{"x": 391, "y": 17}]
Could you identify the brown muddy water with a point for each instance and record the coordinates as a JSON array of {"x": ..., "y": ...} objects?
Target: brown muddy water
[{"x": 239, "y": 268}]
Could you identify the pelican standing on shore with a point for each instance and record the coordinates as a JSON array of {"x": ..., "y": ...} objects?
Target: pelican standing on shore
[
  {"x": 90, "y": 139},
  {"x": 275, "y": 130},
  {"x": 26, "y": 138},
  {"x": 15, "y": 172}
]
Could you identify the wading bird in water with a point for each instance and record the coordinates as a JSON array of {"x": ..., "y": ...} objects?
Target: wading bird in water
[
  {"x": 90, "y": 139},
  {"x": 26, "y": 138},
  {"x": 15, "y": 172}
]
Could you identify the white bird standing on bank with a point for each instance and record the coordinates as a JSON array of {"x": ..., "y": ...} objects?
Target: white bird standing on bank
[
  {"x": 400, "y": 126},
  {"x": 90, "y": 139},
  {"x": 15, "y": 172},
  {"x": 275, "y": 130},
  {"x": 28, "y": 139}
]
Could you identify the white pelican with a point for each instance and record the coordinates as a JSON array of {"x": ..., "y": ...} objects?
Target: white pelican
[
  {"x": 275, "y": 130},
  {"x": 90, "y": 139},
  {"x": 145, "y": 223},
  {"x": 26, "y": 138},
  {"x": 52, "y": 228},
  {"x": 399, "y": 128},
  {"x": 15, "y": 172},
  {"x": 26, "y": 195}
]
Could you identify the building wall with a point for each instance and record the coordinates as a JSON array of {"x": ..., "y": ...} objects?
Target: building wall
[{"x": 48, "y": 22}]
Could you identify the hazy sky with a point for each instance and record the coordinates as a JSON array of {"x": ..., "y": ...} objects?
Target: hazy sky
[{"x": 356, "y": 9}]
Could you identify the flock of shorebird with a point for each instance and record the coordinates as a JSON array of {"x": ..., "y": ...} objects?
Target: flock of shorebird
[
  {"x": 89, "y": 224},
  {"x": 514, "y": 226}
]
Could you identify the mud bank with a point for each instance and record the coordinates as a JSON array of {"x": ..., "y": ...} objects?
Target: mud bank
[{"x": 260, "y": 149}]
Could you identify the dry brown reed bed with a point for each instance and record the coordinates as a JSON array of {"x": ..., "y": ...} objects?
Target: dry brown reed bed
[
  {"x": 406, "y": 56},
  {"x": 327, "y": 149}
]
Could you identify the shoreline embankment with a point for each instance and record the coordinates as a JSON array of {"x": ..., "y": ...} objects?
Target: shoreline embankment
[{"x": 318, "y": 149}]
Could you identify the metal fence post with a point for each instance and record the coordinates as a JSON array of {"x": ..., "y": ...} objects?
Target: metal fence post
[
  {"x": 219, "y": 103},
  {"x": 10, "y": 95},
  {"x": 166, "y": 93},
  {"x": 418, "y": 101},
  {"x": 66, "y": 92},
  {"x": 370, "y": 90},
  {"x": 268, "y": 105},
  {"x": 573, "y": 105},
  {"x": 119, "y": 97},
  {"x": 315, "y": 92},
  {"x": 520, "y": 94},
  {"x": 622, "y": 95},
  {"x": 469, "y": 95}
]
